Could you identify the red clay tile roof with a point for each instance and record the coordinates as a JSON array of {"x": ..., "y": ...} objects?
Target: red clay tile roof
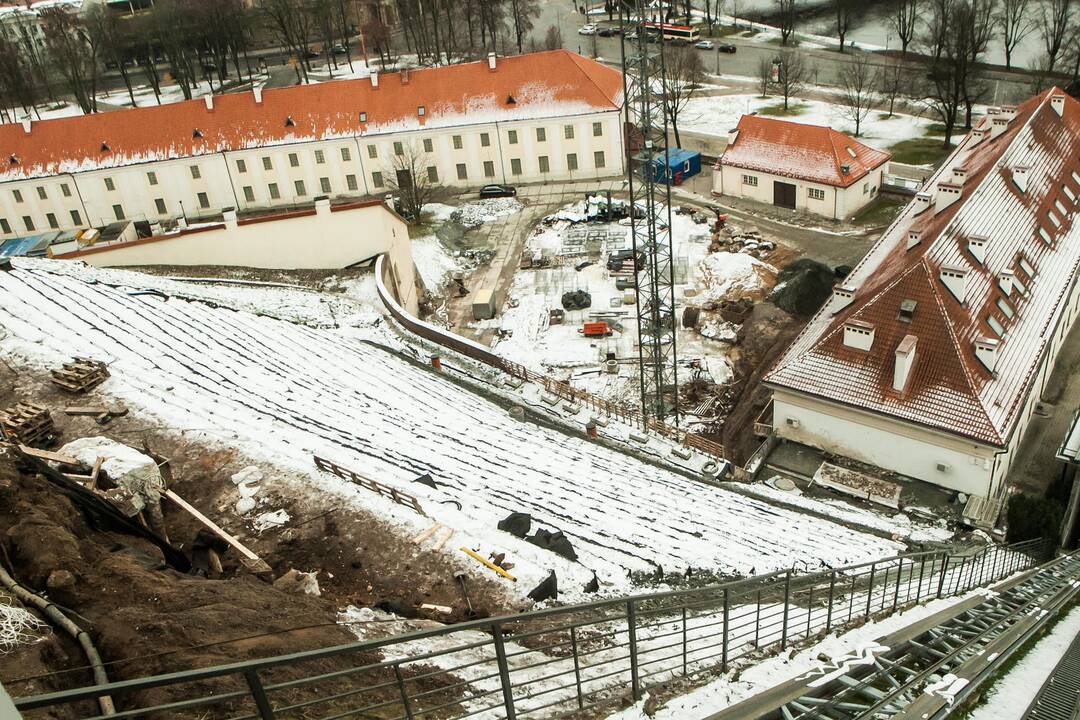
[
  {"x": 951, "y": 389},
  {"x": 547, "y": 84},
  {"x": 796, "y": 150}
]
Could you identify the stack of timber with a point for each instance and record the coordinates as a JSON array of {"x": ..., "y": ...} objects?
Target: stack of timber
[
  {"x": 80, "y": 375},
  {"x": 28, "y": 424}
]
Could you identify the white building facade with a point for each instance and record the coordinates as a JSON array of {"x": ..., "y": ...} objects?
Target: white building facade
[{"x": 537, "y": 118}]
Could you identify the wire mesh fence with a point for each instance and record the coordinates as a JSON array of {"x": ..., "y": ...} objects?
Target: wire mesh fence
[{"x": 556, "y": 662}]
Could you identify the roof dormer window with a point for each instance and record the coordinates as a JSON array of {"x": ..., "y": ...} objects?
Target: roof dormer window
[
  {"x": 510, "y": 100},
  {"x": 1068, "y": 193},
  {"x": 995, "y": 325},
  {"x": 1026, "y": 266},
  {"x": 1045, "y": 236},
  {"x": 1061, "y": 208},
  {"x": 363, "y": 117},
  {"x": 13, "y": 159},
  {"x": 289, "y": 122},
  {"x": 196, "y": 133},
  {"x": 104, "y": 146},
  {"x": 1003, "y": 305},
  {"x": 421, "y": 111}
]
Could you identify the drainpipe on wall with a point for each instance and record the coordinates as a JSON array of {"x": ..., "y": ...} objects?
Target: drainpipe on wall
[
  {"x": 232, "y": 185},
  {"x": 502, "y": 157}
]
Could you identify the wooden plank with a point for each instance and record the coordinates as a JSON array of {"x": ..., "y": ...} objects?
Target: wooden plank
[
  {"x": 80, "y": 410},
  {"x": 46, "y": 455},
  {"x": 427, "y": 533},
  {"x": 442, "y": 541},
  {"x": 94, "y": 473},
  {"x": 212, "y": 526}
]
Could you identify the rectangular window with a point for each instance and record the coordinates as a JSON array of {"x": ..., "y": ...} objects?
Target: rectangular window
[
  {"x": 457, "y": 142},
  {"x": 346, "y": 156},
  {"x": 118, "y": 211},
  {"x": 17, "y": 194},
  {"x": 432, "y": 174},
  {"x": 5, "y": 226},
  {"x": 204, "y": 200},
  {"x": 196, "y": 173},
  {"x": 568, "y": 132},
  {"x": 109, "y": 185},
  {"x": 571, "y": 162},
  {"x": 267, "y": 164},
  {"x": 249, "y": 193},
  {"x": 489, "y": 168},
  {"x": 996, "y": 326},
  {"x": 1004, "y": 306},
  {"x": 350, "y": 181},
  {"x": 1026, "y": 267},
  {"x": 750, "y": 180},
  {"x": 159, "y": 203},
  {"x": 865, "y": 188},
  {"x": 511, "y": 137},
  {"x": 28, "y": 222},
  {"x": 76, "y": 218},
  {"x": 544, "y": 167},
  {"x": 421, "y": 111},
  {"x": 399, "y": 149},
  {"x": 324, "y": 185},
  {"x": 598, "y": 159},
  {"x": 597, "y": 129},
  {"x": 372, "y": 152},
  {"x": 52, "y": 221},
  {"x": 241, "y": 166},
  {"x": 541, "y": 134},
  {"x": 428, "y": 145},
  {"x": 65, "y": 190},
  {"x": 515, "y": 166},
  {"x": 320, "y": 157},
  {"x": 151, "y": 177},
  {"x": 301, "y": 191},
  {"x": 275, "y": 194},
  {"x": 41, "y": 193},
  {"x": 815, "y": 193},
  {"x": 294, "y": 160},
  {"x": 462, "y": 172},
  {"x": 376, "y": 179},
  {"x": 485, "y": 140}
]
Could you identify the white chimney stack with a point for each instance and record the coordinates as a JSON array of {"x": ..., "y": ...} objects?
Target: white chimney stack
[
  {"x": 26, "y": 123},
  {"x": 258, "y": 95},
  {"x": 986, "y": 351},
  {"x": 998, "y": 125},
  {"x": 959, "y": 174},
  {"x": 1005, "y": 282},
  {"x": 209, "y": 100},
  {"x": 491, "y": 61},
  {"x": 905, "y": 361},
  {"x": 947, "y": 194},
  {"x": 977, "y": 247},
  {"x": 842, "y": 296},
  {"x": 1058, "y": 103},
  {"x": 956, "y": 280},
  {"x": 923, "y": 201},
  {"x": 374, "y": 78},
  {"x": 1020, "y": 177},
  {"x": 858, "y": 335},
  {"x": 914, "y": 237}
]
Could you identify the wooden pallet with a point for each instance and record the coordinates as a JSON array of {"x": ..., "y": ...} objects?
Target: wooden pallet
[
  {"x": 27, "y": 424},
  {"x": 81, "y": 375}
]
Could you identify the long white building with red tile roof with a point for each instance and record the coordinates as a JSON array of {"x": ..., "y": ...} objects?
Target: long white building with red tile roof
[
  {"x": 547, "y": 116},
  {"x": 799, "y": 167},
  {"x": 931, "y": 356}
]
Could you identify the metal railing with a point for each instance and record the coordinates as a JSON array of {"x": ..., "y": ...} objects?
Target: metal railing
[
  {"x": 558, "y": 388},
  {"x": 559, "y": 661}
]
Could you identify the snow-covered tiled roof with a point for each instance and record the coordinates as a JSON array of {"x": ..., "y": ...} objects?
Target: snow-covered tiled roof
[
  {"x": 540, "y": 85},
  {"x": 1010, "y": 240},
  {"x": 797, "y": 150}
]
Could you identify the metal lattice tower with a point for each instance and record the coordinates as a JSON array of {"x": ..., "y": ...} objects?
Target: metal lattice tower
[{"x": 647, "y": 131}]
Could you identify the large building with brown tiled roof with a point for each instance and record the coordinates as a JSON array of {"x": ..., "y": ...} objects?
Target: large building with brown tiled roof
[
  {"x": 932, "y": 354},
  {"x": 549, "y": 116},
  {"x": 799, "y": 167}
]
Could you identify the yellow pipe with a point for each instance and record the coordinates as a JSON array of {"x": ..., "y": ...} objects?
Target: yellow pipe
[{"x": 491, "y": 565}]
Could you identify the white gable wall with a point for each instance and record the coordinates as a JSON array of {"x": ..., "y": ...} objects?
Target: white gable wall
[{"x": 838, "y": 203}]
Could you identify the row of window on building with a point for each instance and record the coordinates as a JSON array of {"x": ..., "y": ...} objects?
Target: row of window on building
[{"x": 811, "y": 193}]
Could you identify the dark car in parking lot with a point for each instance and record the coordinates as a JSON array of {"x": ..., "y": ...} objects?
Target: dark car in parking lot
[
  {"x": 497, "y": 191},
  {"x": 726, "y": 48},
  {"x": 607, "y": 32}
]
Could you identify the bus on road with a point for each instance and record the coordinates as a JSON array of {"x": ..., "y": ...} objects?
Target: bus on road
[{"x": 671, "y": 32}]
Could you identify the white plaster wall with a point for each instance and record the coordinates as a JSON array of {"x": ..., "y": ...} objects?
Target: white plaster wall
[
  {"x": 877, "y": 440},
  {"x": 838, "y": 203}
]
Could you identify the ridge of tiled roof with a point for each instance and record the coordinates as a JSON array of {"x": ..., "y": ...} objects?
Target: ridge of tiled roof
[
  {"x": 798, "y": 150},
  {"x": 961, "y": 395},
  {"x": 540, "y": 85}
]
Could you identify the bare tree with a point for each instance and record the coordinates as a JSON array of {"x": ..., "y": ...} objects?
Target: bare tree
[
  {"x": 104, "y": 27},
  {"x": 903, "y": 21},
  {"x": 1054, "y": 19},
  {"x": 16, "y": 79},
  {"x": 843, "y": 10},
  {"x": 786, "y": 12},
  {"x": 938, "y": 26},
  {"x": 293, "y": 25},
  {"x": 980, "y": 19},
  {"x": 1014, "y": 23},
  {"x": 953, "y": 79},
  {"x": 415, "y": 178},
  {"x": 553, "y": 38},
  {"x": 792, "y": 76},
  {"x": 683, "y": 73},
  {"x": 523, "y": 14},
  {"x": 895, "y": 83},
  {"x": 73, "y": 52},
  {"x": 764, "y": 74},
  {"x": 858, "y": 82}
]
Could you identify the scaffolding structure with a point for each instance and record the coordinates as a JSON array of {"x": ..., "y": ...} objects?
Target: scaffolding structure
[{"x": 650, "y": 211}]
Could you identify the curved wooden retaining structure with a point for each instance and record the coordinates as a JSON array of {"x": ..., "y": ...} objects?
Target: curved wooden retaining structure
[{"x": 560, "y": 389}]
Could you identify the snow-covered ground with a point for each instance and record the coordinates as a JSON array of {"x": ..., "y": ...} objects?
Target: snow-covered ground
[
  {"x": 473, "y": 214},
  {"x": 433, "y": 262},
  {"x": 719, "y": 114},
  {"x": 280, "y": 392}
]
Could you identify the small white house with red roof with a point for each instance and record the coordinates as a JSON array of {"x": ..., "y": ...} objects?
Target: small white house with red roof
[
  {"x": 799, "y": 167},
  {"x": 933, "y": 353}
]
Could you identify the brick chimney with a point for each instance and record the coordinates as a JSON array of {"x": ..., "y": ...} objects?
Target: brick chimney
[{"x": 905, "y": 361}]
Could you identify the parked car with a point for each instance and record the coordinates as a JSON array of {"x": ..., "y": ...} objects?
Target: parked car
[
  {"x": 589, "y": 29},
  {"x": 311, "y": 54},
  {"x": 726, "y": 48},
  {"x": 497, "y": 191},
  {"x": 704, "y": 45},
  {"x": 338, "y": 49},
  {"x": 607, "y": 32}
]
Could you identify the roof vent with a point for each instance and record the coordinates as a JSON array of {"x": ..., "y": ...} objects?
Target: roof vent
[
  {"x": 842, "y": 296},
  {"x": 13, "y": 159},
  {"x": 977, "y": 247},
  {"x": 1020, "y": 177},
  {"x": 363, "y": 116},
  {"x": 947, "y": 194},
  {"x": 959, "y": 174},
  {"x": 404, "y": 75},
  {"x": 26, "y": 123},
  {"x": 510, "y": 100},
  {"x": 491, "y": 61},
  {"x": 104, "y": 146},
  {"x": 289, "y": 122},
  {"x": 905, "y": 361},
  {"x": 923, "y": 201},
  {"x": 374, "y": 78},
  {"x": 196, "y": 133},
  {"x": 1005, "y": 282},
  {"x": 1058, "y": 103},
  {"x": 998, "y": 125},
  {"x": 257, "y": 92},
  {"x": 850, "y": 151},
  {"x": 978, "y": 135},
  {"x": 913, "y": 238},
  {"x": 858, "y": 335},
  {"x": 209, "y": 100},
  {"x": 986, "y": 352},
  {"x": 907, "y": 310},
  {"x": 956, "y": 280},
  {"x": 845, "y": 169}
]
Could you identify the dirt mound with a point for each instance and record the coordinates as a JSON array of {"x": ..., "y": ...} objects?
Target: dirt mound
[{"x": 802, "y": 287}]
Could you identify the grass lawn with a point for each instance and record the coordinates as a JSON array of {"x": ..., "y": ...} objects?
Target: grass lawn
[
  {"x": 881, "y": 211},
  {"x": 779, "y": 111},
  {"x": 919, "y": 151}
]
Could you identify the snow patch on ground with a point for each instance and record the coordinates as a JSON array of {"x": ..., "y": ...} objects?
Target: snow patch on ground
[
  {"x": 474, "y": 214},
  {"x": 433, "y": 262},
  {"x": 728, "y": 276}
]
